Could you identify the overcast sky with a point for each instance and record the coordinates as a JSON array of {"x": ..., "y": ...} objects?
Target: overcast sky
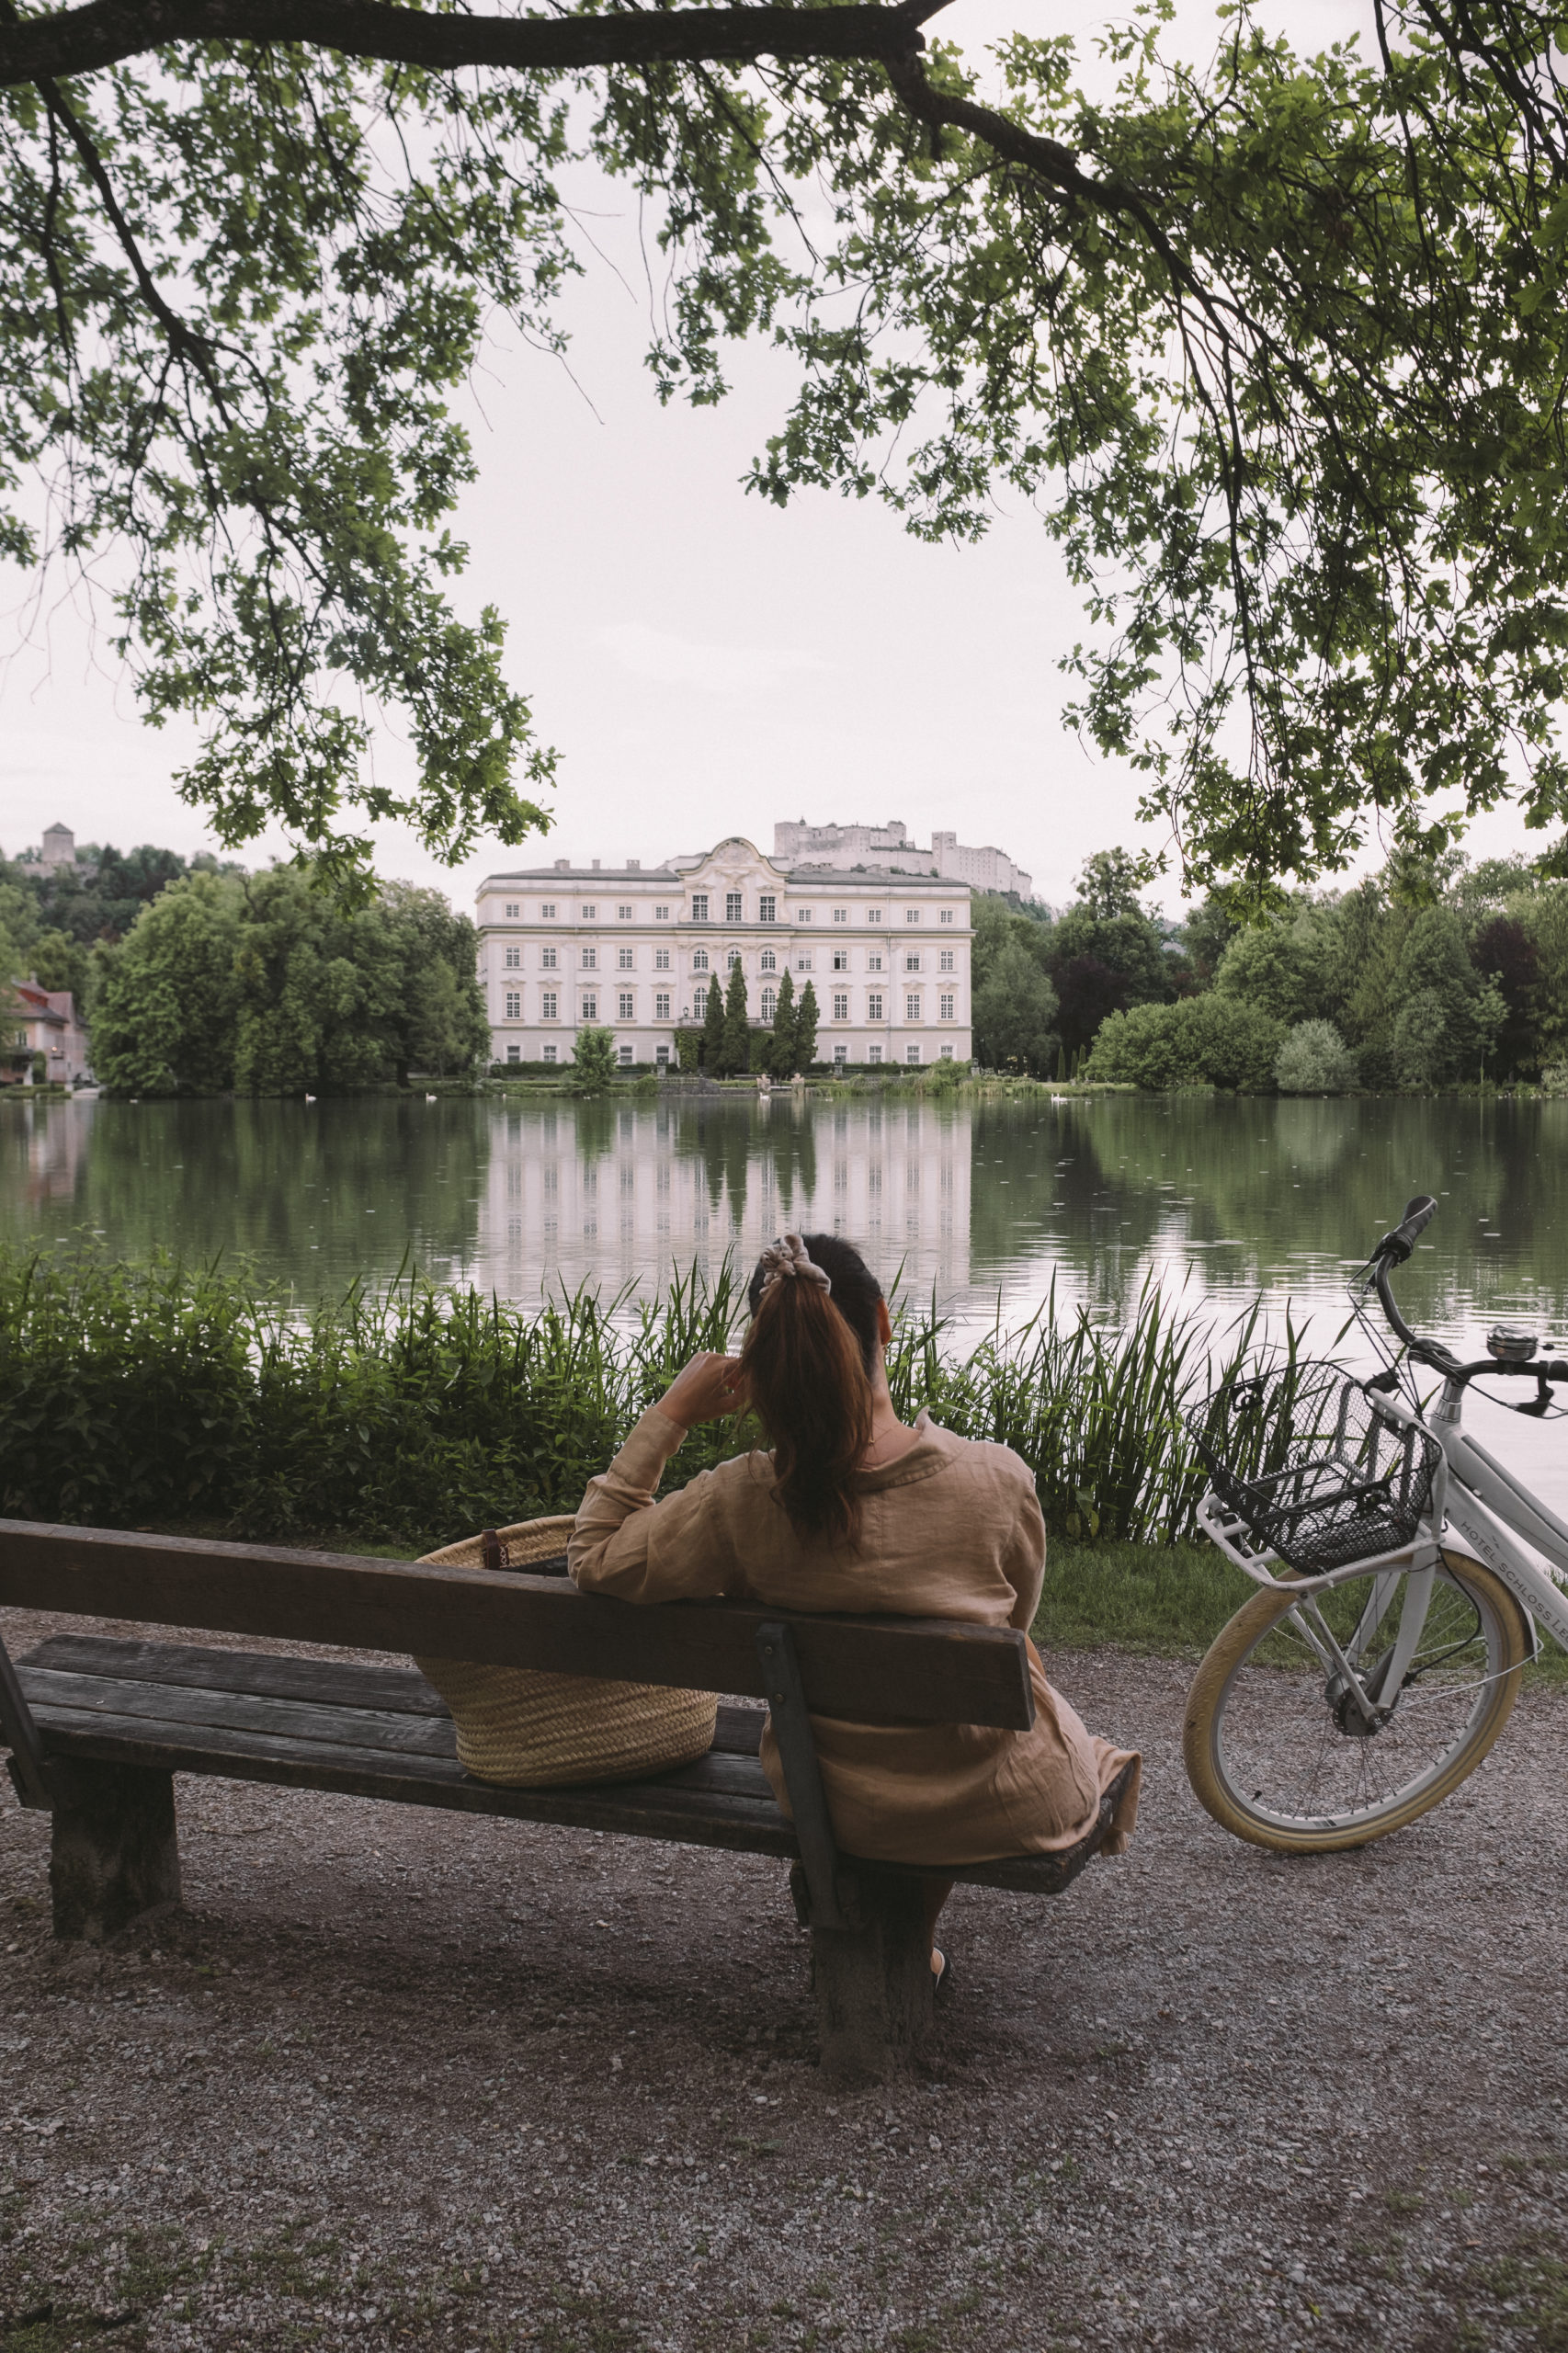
[{"x": 705, "y": 664}]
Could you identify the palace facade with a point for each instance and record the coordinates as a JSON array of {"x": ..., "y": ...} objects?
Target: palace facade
[{"x": 632, "y": 950}]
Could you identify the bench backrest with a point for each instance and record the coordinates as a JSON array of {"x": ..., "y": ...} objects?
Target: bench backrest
[{"x": 870, "y": 1670}]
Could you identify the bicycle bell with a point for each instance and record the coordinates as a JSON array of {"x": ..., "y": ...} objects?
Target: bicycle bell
[{"x": 1510, "y": 1343}]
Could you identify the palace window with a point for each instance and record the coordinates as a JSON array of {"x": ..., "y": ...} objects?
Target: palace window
[
  {"x": 946, "y": 959},
  {"x": 514, "y": 1006},
  {"x": 841, "y": 960},
  {"x": 912, "y": 915},
  {"x": 700, "y": 906},
  {"x": 626, "y": 1053},
  {"x": 948, "y": 1052},
  {"x": 660, "y": 914},
  {"x": 841, "y": 914},
  {"x": 513, "y": 910},
  {"x": 590, "y": 959},
  {"x": 733, "y": 957},
  {"x": 547, "y": 960},
  {"x": 841, "y": 1050},
  {"x": 590, "y": 1011},
  {"x": 769, "y": 1004},
  {"x": 945, "y": 1009},
  {"x": 873, "y": 1053},
  {"x": 514, "y": 1053},
  {"x": 731, "y": 907},
  {"x": 803, "y": 914},
  {"x": 873, "y": 963},
  {"x": 874, "y": 1005},
  {"x": 661, "y": 1009},
  {"x": 841, "y": 1007},
  {"x": 768, "y": 909},
  {"x": 661, "y": 960},
  {"x": 803, "y": 961},
  {"x": 700, "y": 960},
  {"x": 911, "y": 1009},
  {"x": 547, "y": 914},
  {"x": 912, "y": 1054},
  {"x": 588, "y": 914},
  {"x": 549, "y": 1053},
  {"x": 624, "y": 959},
  {"x": 874, "y": 915},
  {"x": 768, "y": 961},
  {"x": 947, "y": 917},
  {"x": 627, "y": 1012},
  {"x": 912, "y": 963},
  {"x": 514, "y": 959},
  {"x": 547, "y": 1005},
  {"x": 624, "y": 914}
]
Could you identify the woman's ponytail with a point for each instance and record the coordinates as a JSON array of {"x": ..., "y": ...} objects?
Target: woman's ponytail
[{"x": 807, "y": 1366}]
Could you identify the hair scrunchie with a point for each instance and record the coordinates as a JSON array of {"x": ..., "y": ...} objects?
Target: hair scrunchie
[{"x": 789, "y": 1257}]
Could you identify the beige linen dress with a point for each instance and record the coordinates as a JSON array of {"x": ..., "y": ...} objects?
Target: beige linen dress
[{"x": 952, "y": 1528}]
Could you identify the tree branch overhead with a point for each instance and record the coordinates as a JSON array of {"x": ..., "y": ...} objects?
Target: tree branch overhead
[{"x": 106, "y": 32}]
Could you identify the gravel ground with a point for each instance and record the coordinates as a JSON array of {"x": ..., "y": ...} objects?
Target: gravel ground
[{"x": 401, "y": 2078}]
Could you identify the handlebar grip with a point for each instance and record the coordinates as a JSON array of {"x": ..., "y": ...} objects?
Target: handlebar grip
[{"x": 1418, "y": 1216}]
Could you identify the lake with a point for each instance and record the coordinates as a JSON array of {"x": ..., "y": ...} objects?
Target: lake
[{"x": 980, "y": 1202}]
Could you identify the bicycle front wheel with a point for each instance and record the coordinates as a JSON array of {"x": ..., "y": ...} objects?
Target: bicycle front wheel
[{"x": 1276, "y": 1752}]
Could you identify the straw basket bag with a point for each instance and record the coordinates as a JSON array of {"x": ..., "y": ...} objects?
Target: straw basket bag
[{"x": 527, "y": 1730}]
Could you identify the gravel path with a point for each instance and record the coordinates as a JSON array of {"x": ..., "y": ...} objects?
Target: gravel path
[{"x": 401, "y": 2078}]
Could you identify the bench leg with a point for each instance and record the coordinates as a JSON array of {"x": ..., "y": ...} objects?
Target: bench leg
[
  {"x": 115, "y": 1853},
  {"x": 872, "y": 1979}
]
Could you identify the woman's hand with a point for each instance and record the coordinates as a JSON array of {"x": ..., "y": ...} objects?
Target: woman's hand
[{"x": 704, "y": 1390}]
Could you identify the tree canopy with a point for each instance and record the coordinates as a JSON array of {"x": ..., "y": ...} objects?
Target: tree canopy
[
  {"x": 1276, "y": 345},
  {"x": 267, "y": 985}
]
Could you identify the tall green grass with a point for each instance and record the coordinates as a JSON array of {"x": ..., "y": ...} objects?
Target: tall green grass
[{"x": 162, "y": 1394}]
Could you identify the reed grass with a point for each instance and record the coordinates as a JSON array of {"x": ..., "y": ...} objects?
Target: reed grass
[{"x": 164, "y": 1394}]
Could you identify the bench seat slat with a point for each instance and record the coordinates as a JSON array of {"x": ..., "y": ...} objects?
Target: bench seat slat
[
  {"x": 346, "y": 1683},
  {"x": 52, "y": 1695},
  {"x": 647, "y": 1809},
  {"x": 337, "y": 1682}
]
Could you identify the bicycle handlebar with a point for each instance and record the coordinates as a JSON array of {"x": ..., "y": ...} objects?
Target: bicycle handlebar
[
  {"x": 1418, "y": 1216},
  {"x": 1393, "y": 1251}
]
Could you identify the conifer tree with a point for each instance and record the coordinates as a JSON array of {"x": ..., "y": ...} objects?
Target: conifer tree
[
  {"x": 735, "y": 1049},
  {"x": 781, "y": 1053},
  {"x": 714, "y": 1030},
  {"x": 806, "y": 1030}
]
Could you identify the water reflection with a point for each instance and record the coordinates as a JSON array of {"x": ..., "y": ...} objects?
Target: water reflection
[{"x": 627, "y": 1193}]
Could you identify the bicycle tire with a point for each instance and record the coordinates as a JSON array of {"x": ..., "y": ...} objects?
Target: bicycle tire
[{"x": 1219, "y": 1782}]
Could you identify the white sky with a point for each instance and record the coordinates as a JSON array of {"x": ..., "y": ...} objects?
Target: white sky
[{"x": 704, "y": 663}]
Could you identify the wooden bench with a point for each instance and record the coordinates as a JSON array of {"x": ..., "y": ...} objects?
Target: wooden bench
[{"x": 97, "y": 1728}]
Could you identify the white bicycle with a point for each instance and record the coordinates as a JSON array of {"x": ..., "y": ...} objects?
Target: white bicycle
[{"x": 1382, "y": 1654}]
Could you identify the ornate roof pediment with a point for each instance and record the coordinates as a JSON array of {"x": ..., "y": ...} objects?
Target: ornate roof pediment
[{"x": 733, "y": 864}]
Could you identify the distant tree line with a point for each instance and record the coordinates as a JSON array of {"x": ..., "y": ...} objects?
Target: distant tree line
[
  {"x": 1420, "y": 977},
  {"x": 266, "y": 985}
]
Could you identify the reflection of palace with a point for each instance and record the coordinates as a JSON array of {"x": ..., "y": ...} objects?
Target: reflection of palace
[
  {"x": 622, "y": 1195},
  {"x": 44, "y": 1148}
]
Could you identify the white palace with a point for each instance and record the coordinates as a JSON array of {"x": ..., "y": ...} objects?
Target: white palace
[{"x": 632, "y": 950}]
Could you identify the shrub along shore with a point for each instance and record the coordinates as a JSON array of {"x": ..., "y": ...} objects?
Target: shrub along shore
[{"x": 198, "y": 1400}]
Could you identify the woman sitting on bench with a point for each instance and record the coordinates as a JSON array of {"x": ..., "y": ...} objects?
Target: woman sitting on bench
[{"x": 854, "y": 1512}]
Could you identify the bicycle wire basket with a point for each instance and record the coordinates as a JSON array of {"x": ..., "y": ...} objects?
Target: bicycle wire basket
[{"x": 1307, "y": 1458}]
